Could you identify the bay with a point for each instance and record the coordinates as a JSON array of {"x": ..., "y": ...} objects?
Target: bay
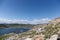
[{"x": 12, "y": 30}]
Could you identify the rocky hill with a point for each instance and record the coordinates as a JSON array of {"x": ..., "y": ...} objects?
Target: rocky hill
[{"x": 46, "y": 30}]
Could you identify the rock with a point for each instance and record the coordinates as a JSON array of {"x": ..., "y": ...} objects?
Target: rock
[
  {"x": 28, "y": 39},
  {"x": 53, "y": 37},
  {"x": 37, "y": 37}
]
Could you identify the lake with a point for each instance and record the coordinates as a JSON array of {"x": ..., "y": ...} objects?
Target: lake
[{"x": 12, "y": 30}]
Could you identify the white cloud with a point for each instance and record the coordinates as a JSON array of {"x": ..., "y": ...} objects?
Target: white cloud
[
  {"x": 40, "y": 21},
  {"x": 35, "y": 21}
]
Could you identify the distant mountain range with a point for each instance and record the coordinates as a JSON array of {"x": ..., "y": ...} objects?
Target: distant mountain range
[{"x": 16, "y": 25}]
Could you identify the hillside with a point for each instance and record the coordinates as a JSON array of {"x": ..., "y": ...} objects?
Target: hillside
[
  {"x": 3, "y": 26},
  {"x": 46, "y": 30}
]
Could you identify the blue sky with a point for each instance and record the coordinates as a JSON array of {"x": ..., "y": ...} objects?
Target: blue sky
[{"x": 29, "y": 9}]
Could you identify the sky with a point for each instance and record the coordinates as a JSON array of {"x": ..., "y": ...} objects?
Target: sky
[{"x": 29, "y": 10}]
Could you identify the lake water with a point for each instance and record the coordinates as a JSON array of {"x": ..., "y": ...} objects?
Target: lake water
[{"x": 12, "y": 30}]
